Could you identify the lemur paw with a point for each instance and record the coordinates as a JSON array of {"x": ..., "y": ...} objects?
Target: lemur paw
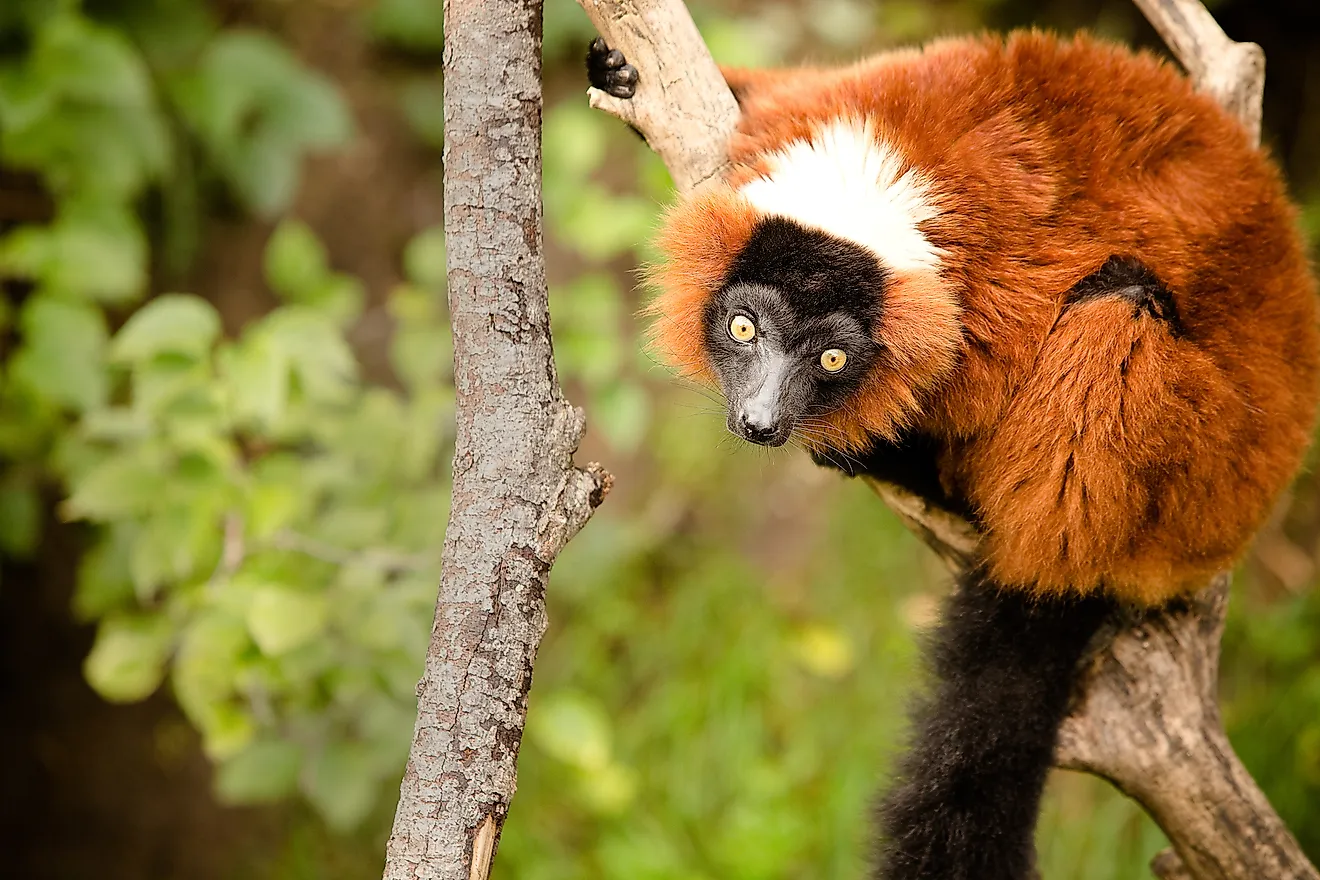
[{"x": 609, "y": 71}]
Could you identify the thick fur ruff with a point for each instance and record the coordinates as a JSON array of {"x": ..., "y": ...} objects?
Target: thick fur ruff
[{"x": 1099, "y": 445}]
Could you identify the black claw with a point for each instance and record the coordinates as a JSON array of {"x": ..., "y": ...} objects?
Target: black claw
[{"x": 609, "y": 71}]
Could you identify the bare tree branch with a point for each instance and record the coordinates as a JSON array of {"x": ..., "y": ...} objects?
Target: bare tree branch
[
  {"x": 682, "y": 105},
  {"x": 1233, "y": 73},
  {"x": 517, "y": 499},
  {"x": 1146, "y": 714}
]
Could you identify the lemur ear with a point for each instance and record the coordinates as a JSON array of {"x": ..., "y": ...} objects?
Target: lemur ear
[{"x": 698, "y": 240}]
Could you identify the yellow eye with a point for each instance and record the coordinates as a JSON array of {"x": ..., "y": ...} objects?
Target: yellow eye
[
  {"x": 833, "y": 359},
  {"x": 742, "y": 329}
]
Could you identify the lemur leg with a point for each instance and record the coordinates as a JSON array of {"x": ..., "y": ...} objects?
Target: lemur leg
[
  {"x": 966, "y": 797},
  {"x": 1124, "y": 423}
]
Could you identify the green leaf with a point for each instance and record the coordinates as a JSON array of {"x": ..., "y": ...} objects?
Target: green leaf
[
  {"x": 62, "y": 355},
  {"x": 264, "y": 172},
  {"x": 265, "y": 771},
  {"x": 415, "y": 25},
  {"x": 104, "y": 581},
  {"x": 348, "y": 524},
  {"x": 177, "y": 544},
  {"x": 116, "y": 424},
  {"x": 342, "y": 784},
  {"x": 124, "y": 485},
  {"x": 574, "y": 144},
  {"x": 610, "y": 789},
  {"x": 90, "y": 63},
  {"x": 589, "y": 357},
  {"x": 424, "y": 259},
  {"x": 250, "y": 80},
  {"x": 177, "y": 392},
  {"x": 209, "y": 662},
  {"x": 271, "y": 506},
  {"x": 295, "y": 260},
  {"x": 281, "y": 618},
  {"x": 423, "y": 103},
  {"x": 92, "y": 254},
  {"x": 20, "y": 521},
  {"x": 256, "y": 374},
  {"x": 175, "y": 323},
  {"x": 318, "y": 354},
  {"x": 258, "y": 110},
  {"x": 226, "y": 730},
  {"x": 422, "y": 357},
  {"x": 339, "y": 297},
  {"x": 127, "y": 662},
  {"x": 572, "y": 727},
  {"x": 622, "y": 411},
  {"x": 599, "y": 224},
  {"x": 586, "y": 315}
]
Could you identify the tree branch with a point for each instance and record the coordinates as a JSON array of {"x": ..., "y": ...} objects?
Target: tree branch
[
  {"x": 517, "y": 499},
  {"x": 682, "y": 105},
  {"x": 1145, "y": 714},
  {"x": 1232, "y": 73}
]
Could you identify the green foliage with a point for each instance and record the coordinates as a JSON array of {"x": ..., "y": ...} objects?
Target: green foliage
[
  {"x": 278, "y": 518},
  {"x": 1276, "y": 729},
  {"x": 257, "y": 111},
  {"x": 90, "y": 108},
  {"x": 238, "y": 487}
]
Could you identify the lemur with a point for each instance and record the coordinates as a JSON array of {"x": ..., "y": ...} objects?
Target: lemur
[{"x": 1044, "y": 279}]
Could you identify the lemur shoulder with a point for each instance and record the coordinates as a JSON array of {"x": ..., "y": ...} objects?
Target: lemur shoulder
[{"x": 1067, "y": 282}]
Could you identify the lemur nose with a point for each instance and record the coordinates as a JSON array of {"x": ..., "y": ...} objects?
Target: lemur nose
[{"x": 757, "y": 429}]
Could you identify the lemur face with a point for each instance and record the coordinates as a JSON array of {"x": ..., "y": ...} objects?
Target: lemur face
[
  {"x": 789, "y": 333},
  {"x": 779, "y": 368}
]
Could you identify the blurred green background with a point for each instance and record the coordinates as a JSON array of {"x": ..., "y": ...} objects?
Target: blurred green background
[{"x": 221, "y": 510}]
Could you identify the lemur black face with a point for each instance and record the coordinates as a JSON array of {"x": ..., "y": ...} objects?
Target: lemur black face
[{"x": 789, "y": 334}]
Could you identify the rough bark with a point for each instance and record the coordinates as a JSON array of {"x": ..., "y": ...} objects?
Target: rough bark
[
  {"x": 1145, "y": 715},
  {"x": 517, "y": 499}
]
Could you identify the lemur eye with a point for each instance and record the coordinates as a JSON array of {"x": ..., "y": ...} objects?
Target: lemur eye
[
  {"x": 742, "y": 329},
  {"x": 833, "y": 359}
]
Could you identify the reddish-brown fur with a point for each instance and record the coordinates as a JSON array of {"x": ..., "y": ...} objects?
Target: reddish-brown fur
[{"x": 1096, "y": 447}]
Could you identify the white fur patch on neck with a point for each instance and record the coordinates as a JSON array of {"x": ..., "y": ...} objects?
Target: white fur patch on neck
[{"x": 847, "y": 182}]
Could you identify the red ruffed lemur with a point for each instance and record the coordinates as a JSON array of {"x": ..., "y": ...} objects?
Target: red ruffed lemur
[{"x": 1044, "y": 280}]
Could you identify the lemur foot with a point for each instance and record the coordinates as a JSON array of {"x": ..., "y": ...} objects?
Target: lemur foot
[
  {"x": 609, "y": 71},
  {"x": 1129, "y": 279}
]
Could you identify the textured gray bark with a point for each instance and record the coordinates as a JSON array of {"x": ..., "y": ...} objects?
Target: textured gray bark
[
  {"x": 517, "y": 499},
  {"x": 1146, "y": 712}
]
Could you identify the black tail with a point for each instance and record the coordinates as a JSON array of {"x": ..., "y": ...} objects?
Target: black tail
[{"x": 965, "y": 802}]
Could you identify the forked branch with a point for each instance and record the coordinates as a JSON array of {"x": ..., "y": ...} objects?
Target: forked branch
[{"x": 1146, "y": 714}]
